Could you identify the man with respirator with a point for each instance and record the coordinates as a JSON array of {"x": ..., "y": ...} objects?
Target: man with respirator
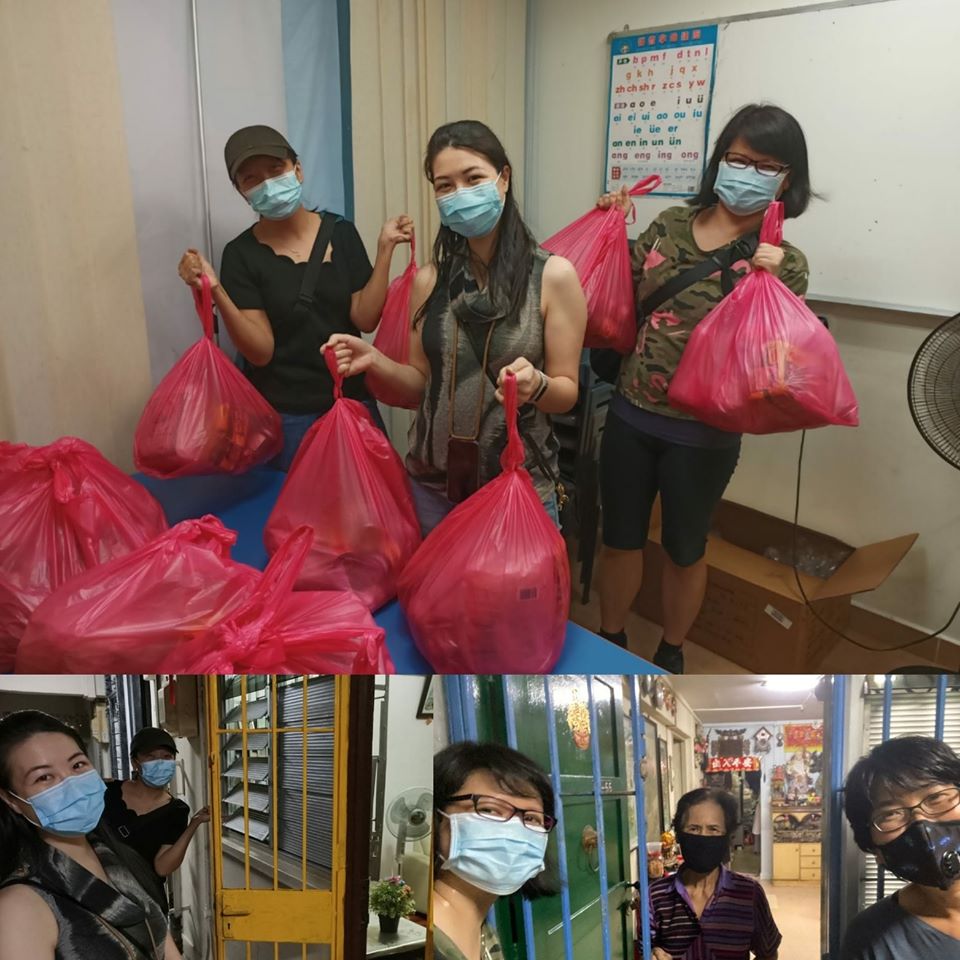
[
  {"x": 145, "y": 815},
  {"x": 903, "y": 804}
]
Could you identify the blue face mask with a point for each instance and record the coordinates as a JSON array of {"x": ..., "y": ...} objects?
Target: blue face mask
[
  {"x": 472, "y": 211},
  {"x": 157, "y": 773},
  {"x": 71, "y": 808},
  {"x": 497, "y": 857},
  {"x": 745, "y": 191},
  {"x": 277, "y": 198}
]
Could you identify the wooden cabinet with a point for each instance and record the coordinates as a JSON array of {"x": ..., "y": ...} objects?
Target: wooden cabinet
[{"x": 796, "y": 861}]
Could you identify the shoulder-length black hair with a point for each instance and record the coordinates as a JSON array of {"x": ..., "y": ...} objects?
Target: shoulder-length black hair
[
  {"x": 770, "y": 130},
  {"x": 20, "y": 841},
  {"x": 508, "y": 272},
  {"x": 904, "y": 763},
  {"x": 726, "y": 801},
  {"x": 514, "y": 771}
]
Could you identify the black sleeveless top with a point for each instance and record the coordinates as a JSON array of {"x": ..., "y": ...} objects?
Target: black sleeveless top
[{"x": 106, "y": 921}]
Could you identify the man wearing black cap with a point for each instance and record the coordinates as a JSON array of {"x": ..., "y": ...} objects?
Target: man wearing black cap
[
  {"x": 145, "y": 815},
  {"x": 291, "y": 281}
]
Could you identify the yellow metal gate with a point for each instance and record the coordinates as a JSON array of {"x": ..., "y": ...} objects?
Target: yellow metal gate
[{"x": 278, "y": 761}]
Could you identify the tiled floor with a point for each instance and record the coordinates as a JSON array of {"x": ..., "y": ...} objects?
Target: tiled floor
[{"x": 796, "y": 910}]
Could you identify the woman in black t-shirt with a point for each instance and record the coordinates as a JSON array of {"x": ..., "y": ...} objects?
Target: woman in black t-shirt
[
  {"x": 262, "y": 272},
  {"x": 145, "y": 815}
]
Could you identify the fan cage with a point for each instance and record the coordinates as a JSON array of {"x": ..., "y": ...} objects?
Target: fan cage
[{"x": 933, "y": 390}]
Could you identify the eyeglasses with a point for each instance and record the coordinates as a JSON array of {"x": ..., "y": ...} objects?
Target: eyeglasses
[
  {"x": 934, "y": 804},
  {"x": 493, "y": 808},
  {"x": 765, "y": 167}
]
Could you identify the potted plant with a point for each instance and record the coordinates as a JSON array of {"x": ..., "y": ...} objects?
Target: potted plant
[{"x": 392, "y": 899}]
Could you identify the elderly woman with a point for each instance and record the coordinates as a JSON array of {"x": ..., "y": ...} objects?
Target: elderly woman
[
  {"x": 706, "y": 906},
  {"x": 903, "y": 804},
  {"x": 68, "y": 889},
  {"x": 493, "y": 816}
]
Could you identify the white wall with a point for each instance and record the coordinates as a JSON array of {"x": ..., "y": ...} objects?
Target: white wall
[
  {"x": 409, "y": 754},
  {"x": 862, "y": 485},
  {"x": 72, "y": 685}
]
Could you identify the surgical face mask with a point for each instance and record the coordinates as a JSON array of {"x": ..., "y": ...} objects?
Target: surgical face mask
[
  {"x": 703, "y": 854},
  {"x": 497, "y": 857},
  {"x": 157, "y": 773},
  {"x": 71, "y": 808},
  {"x": 277, "y": 198},
  {"x": 472, "y": 211},
  {"x": 745, "y": 191},
  {"x": 927, "y": 852}
]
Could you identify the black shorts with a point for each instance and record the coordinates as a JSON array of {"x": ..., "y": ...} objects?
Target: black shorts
[{"x": 635, "y": 466}]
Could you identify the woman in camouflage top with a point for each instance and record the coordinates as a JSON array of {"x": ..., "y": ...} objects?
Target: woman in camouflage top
[{"x": 649, "y": 447}]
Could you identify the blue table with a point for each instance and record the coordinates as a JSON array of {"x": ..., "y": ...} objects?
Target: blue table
[{"x": 244, "y": 503}]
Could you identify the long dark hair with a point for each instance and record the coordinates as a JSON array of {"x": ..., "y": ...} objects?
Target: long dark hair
[
  {"x": 508, "y": 273},
  {"x": 514, "y": 771},
  {"x": 20, "y": 841},
  {"x": 770, "y": 130}
]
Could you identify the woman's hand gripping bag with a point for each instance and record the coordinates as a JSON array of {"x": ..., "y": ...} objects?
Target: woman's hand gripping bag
[
  {"x": 489, "y": 589},
  {"x": 279, "y": 631},
  {"x": 761, "y": 361},
  {"x": 348, "y": 485},
  {"x": 205, "y": 416},
  {"x": 599, "y": 250},
  {"x": 393, "y": 334},
  {"x": 129, "y": 615},
  {"x": 64, "y": 508}
]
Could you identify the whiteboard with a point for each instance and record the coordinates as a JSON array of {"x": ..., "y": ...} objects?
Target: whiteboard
[{"x": 876, "y": 88}]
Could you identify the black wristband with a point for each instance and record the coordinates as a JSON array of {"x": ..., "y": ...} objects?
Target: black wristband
[{"x": 542, "y": 389}]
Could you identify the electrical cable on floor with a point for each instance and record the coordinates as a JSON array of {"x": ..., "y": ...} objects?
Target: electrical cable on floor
[{"x": 809, "y": 604}]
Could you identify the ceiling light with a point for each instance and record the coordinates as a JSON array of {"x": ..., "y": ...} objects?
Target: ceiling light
[{"x": 790, "y": 683}]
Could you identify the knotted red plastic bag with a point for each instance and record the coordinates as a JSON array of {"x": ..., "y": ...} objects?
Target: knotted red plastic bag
[
  {"x": 599, "y": 250},
  {"x": 64, "y": 508},
  {"x": 393, "y": 334},
  {"x": 348, "y": 484},
  {"x": 489, "y": 589},
  {"x": 761, "y": 361},
  {"x": 128, "y": 615},
  {"x": 205, "y": 416},
  {"x": 279, "y": 631}
]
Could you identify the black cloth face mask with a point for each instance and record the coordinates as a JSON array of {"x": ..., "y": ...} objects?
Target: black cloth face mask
[
  {"x": 927, "y": 852},
  {"x": 703, "y": 854}
]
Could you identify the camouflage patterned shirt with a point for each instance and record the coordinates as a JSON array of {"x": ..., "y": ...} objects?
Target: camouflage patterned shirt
[{"x": 665, "y": 249}]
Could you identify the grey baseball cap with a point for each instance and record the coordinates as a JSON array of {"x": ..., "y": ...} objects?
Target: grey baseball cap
[{"x": 256, "y": 141}]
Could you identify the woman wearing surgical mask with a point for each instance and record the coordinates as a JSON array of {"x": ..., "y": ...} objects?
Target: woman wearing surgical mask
[
  {"x": 903, "y": 804},
  {"x": 648, "y": 448},
  {"x": 706, "y": 909},
  {"x": 143, "y": 812},
  {"x": 493, "y": 816},
  {"x": 490, "y": 301},
  {"x": 258, "y": 294},
  {"x": 69, "y": 890}
]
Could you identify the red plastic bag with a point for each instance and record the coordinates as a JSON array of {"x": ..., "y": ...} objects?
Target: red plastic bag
[
  {"x": 348, "y": 484},
  {"x": 128, "y": 615},
  {"x": 205, "y": 416},
  {"x": 599, "y": 250},
  {"x": 64, "y": 508},
  {"x": 489, "y": 590},
  {"x": 279, "y": 631},
  {"x": 393, "y": 334},
  {"x": 761, "y": 361}
]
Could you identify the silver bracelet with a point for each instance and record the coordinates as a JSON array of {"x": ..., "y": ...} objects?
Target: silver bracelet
[{"x": 542, "y": 389}]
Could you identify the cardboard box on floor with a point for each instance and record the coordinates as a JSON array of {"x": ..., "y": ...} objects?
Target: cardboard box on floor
[{"x": 753, "y": 613}]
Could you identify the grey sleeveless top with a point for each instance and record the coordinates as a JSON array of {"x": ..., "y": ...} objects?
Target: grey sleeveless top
[
  {"x": 465, "y": 304},
  {"x": 115, "y": 921}
]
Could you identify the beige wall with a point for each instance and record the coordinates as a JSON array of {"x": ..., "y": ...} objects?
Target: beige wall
[
  {"x": 862, "y": 485},
  {"x": 73, "y": 352},
  {"x": 416, "y": 64}
]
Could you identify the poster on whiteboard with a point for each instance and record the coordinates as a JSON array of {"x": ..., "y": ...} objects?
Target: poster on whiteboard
[{"x": 661, "y": 84}]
